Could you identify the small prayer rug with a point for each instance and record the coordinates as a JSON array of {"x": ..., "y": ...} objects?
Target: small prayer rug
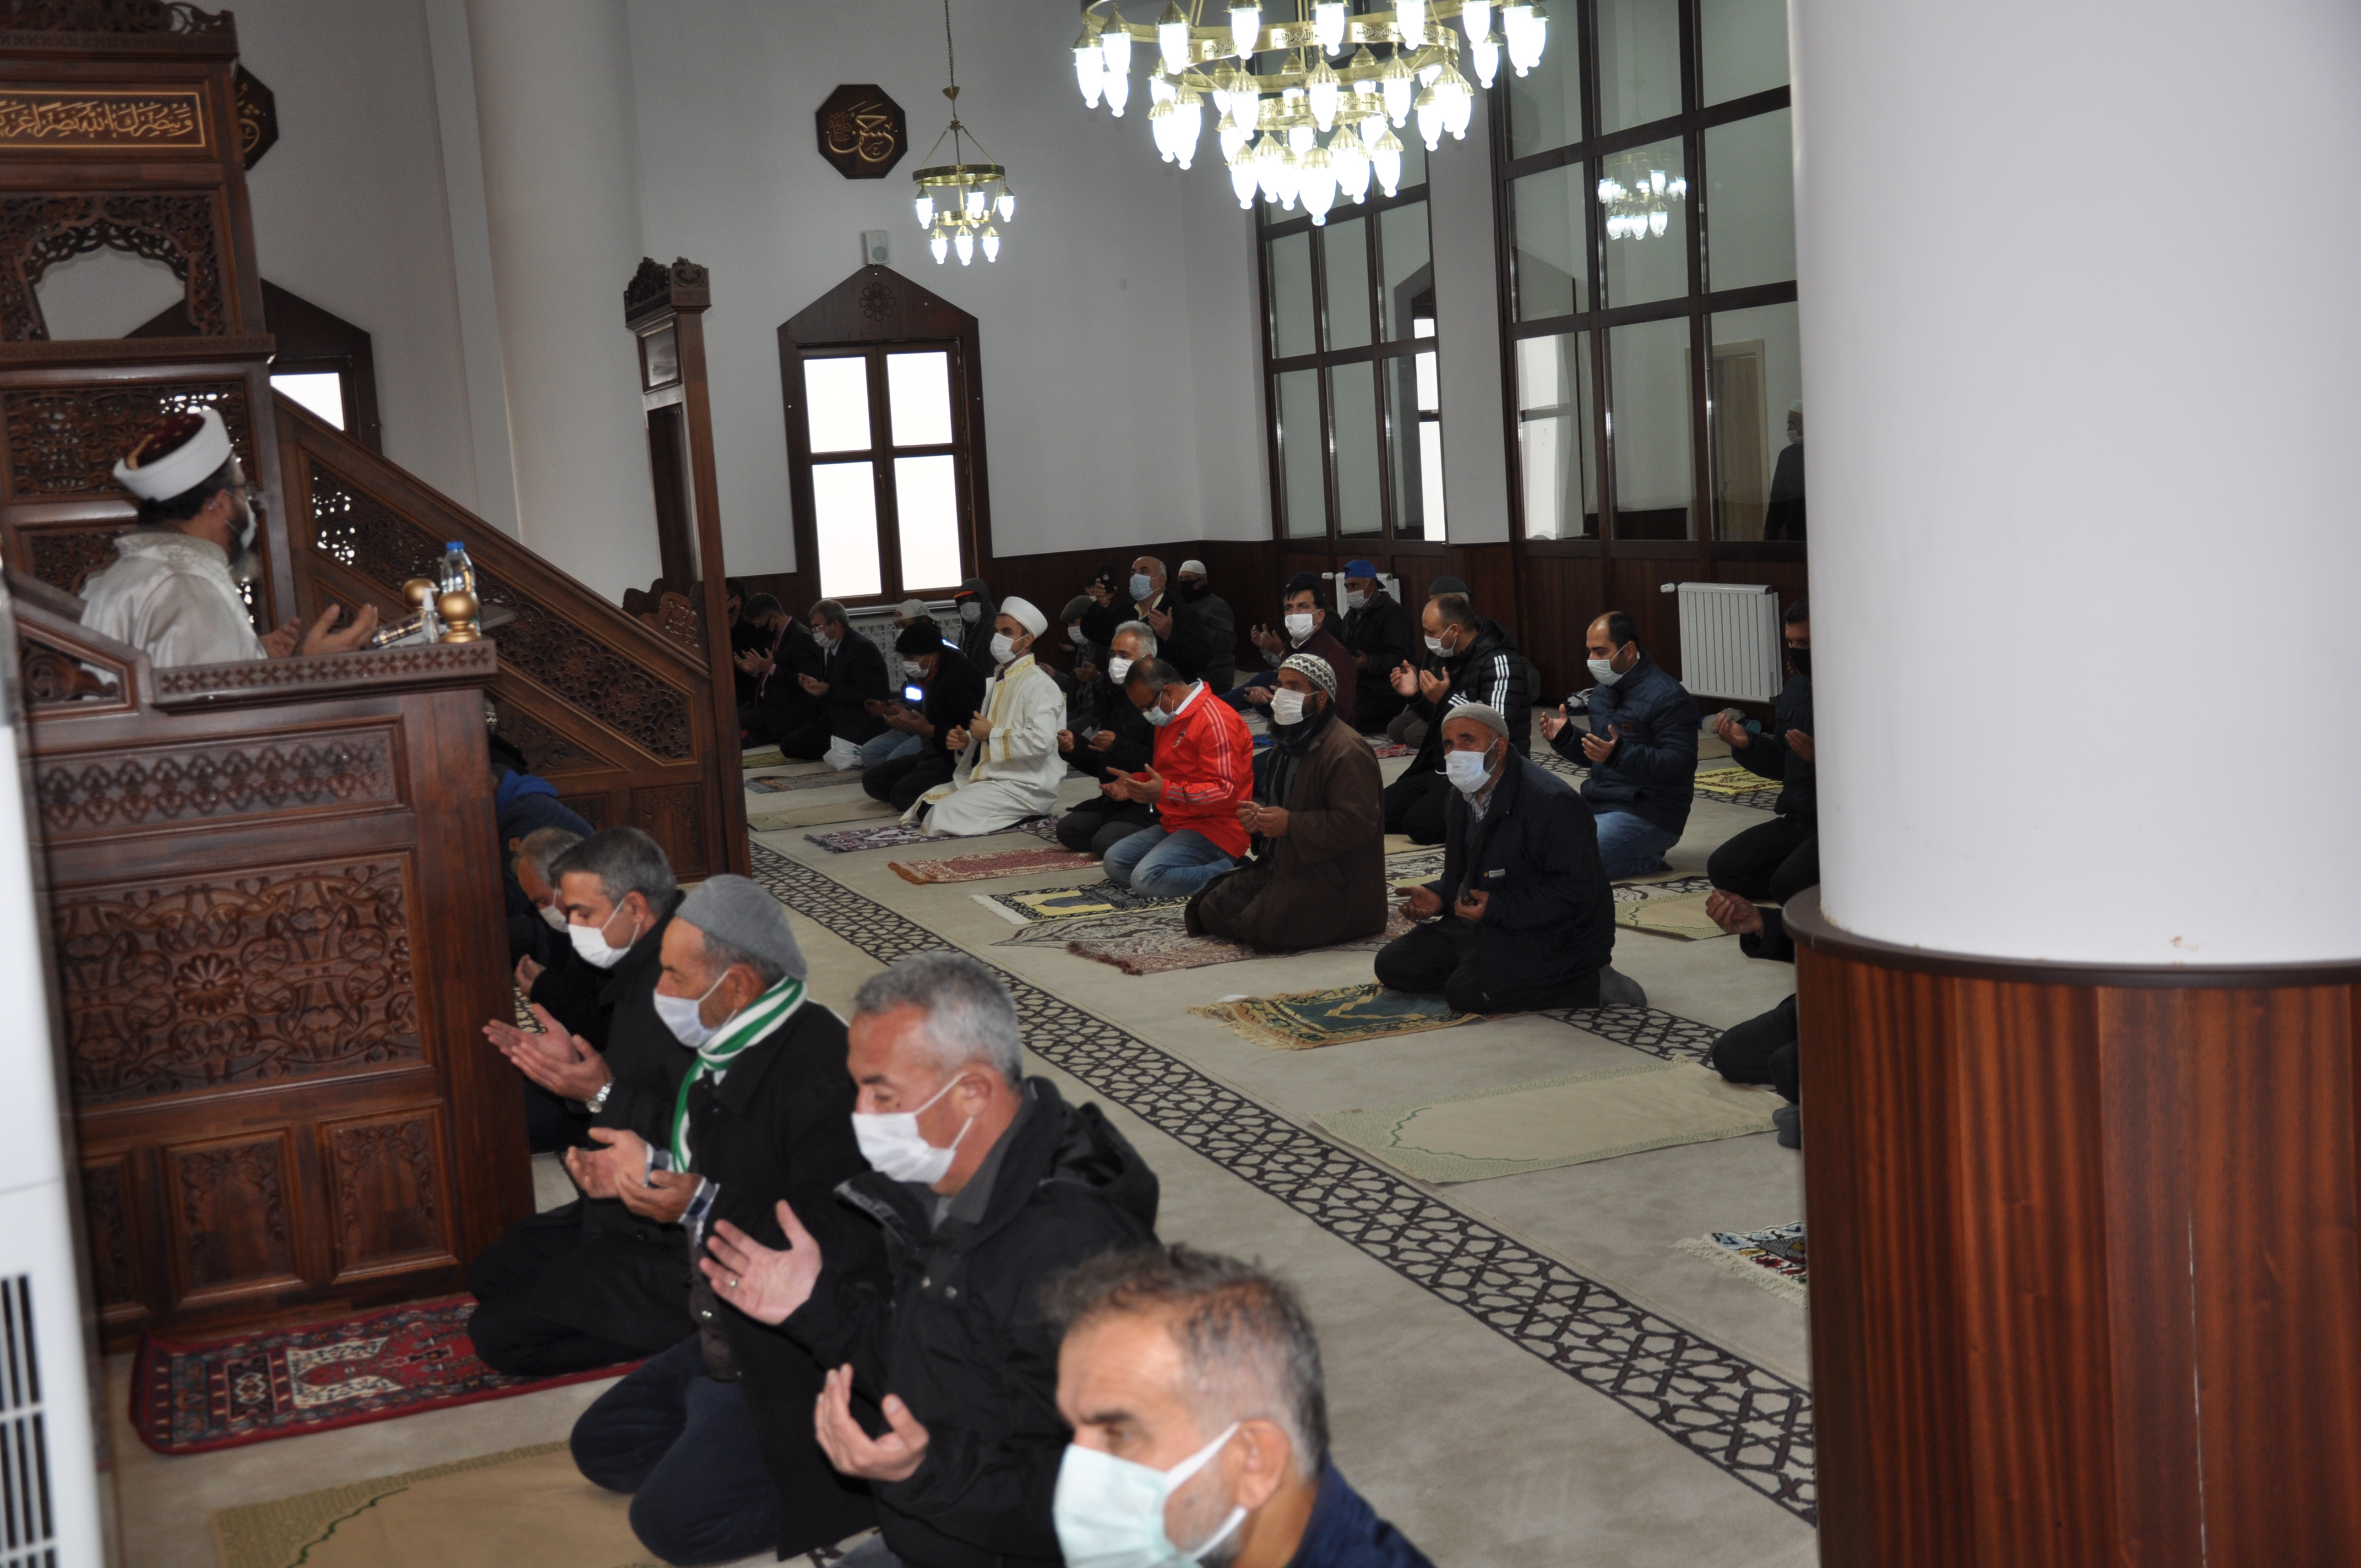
[
  {"x": 1555, "y": 1122},
  {"x": 849, "y": 805},
  {"x": 1023, "y": 908},
  {"x": 1158, "y": 946},
  {"x": 192, "y": 1399},
  {"x": 894, "y": 836},
  {"x": 1682, "y": 918},
  {"x": 762, "y": 757},
  {"x": 1773, "y": 1258},
  {"x": 779, "y": 783},
  {"x": 1305, "y": 1020},
  {"x": 1664, "y": 884},
  {"x": 983, "y": 868},
  {"x": 1740, "y": 787}
]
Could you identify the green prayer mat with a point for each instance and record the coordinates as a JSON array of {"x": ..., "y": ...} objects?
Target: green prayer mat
[
  {"x": 1556, "y": 1121},
  {"x": 1306, "y": 1019}
]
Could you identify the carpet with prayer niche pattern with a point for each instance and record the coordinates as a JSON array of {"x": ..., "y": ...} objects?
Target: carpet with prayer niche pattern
[
  {"x": 1772, "y": 1257},
  {"x": 1156, "y": 941},
  {"x": 983, "y": 868},
  {"x": 1555, "y": 1122},
  {"x": 1025, "y": 908},
  {"x": 191, "y": 1399},
  {"x": 1341, "y": 1015},
  {"x": 776, "y": 783},
  {"x": 1679, "y": 916},
  {"x": 894, "y": 836}
]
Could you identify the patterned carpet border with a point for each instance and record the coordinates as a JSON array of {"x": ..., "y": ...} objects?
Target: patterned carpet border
[{"x": 1745, "y": 1419}]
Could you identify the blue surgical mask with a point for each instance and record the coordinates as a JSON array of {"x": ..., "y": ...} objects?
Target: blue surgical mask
[
  {"x": 1140, "y": 587},
  {"x": 1467, "y": 770},
  {"x": 684, "y": 1015},
  {"x": 1110, "y": 1512}
]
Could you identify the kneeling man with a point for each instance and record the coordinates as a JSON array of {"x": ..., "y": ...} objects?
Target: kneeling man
[
  {"x": 1523, "y": 917},
  {"x": 1318, "y": 821},
  {"x": 1009, "y": 768}
]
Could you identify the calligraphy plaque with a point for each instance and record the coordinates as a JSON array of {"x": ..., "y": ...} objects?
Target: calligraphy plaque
[
  {"x": 33, "y": 118},
  {"x": 861, "y": 132}
]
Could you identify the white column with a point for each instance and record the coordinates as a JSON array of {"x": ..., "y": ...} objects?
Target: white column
[
  {"x": 554, "y": 113},
  {"x": 2080, "y": 338},
  {"x": 1467, "y": 324}
]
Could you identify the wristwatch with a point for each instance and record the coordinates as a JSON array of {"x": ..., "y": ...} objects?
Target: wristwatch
[{"x": 597, "y": 1101}]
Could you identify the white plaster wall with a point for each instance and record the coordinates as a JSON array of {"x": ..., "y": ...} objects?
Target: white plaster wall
[
  {"x": 349, "y": 210},
  {"x": 2056, "y": 519},
  {"x": 1466, "y": 308},
  {"x": 1119, "y": 349}
]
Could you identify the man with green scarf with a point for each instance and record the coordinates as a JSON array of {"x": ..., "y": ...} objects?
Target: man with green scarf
[{"x": 714, "y": 1437}]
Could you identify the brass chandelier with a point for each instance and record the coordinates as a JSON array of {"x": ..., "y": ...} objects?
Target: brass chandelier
[
  {"x": 1323, "y": 79},
  {"x": 957, "y": 200}
]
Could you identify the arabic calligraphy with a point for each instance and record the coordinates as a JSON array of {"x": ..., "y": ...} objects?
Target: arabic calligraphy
[
  {"x": 864, "y": 130},
  {"x": 101, "y": 119}
]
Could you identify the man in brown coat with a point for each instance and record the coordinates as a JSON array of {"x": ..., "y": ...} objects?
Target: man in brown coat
[{"x": 1318, "y": 875}]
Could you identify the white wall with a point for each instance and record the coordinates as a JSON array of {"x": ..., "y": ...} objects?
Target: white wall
[{"x": 1467, "y": 308}]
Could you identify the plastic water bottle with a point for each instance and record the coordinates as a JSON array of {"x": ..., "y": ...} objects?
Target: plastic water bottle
[{"x": 458, "y": 574}]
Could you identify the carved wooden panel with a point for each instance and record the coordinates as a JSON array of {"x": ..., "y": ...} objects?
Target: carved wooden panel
[
  {"x": 39, "y": 230},
  {"x": 185, "y": 685},
  {"x": 233, "y": 1213},
  {"x": 111, "y": 16},
  {"x": 670, "y": 815},
  {"x": 107, "y": 1210},
  {"x": 591, "y": 808},
  {"x": 63, "y": 441},
  {"x": 359, "y": 533},
  {"x": 677, "y": 618},
  {"x": 52, "y": 677},
  {"x": 257, "y": 117},
  {"x": 65, "y": 557},
  {"x": 548, "y": 751},
  {"x": 73, "y": 119},
  {"x": 200, "y": 983},
  {"x": 385, "y": 1174},
  {"x": 123, "y": 789}
]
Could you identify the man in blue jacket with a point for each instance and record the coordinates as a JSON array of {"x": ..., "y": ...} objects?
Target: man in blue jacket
[
  {"x": 1642, "y": 749},
  {"x": 1192, "y": 1384}
]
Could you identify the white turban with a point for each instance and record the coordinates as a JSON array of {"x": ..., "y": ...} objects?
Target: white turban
[
  {"x": 156, "y": 472},
  {"x": 1022, "y": 613}
]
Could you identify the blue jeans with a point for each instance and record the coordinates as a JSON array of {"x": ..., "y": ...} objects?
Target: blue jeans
[
  {"x": 1163, "y": 864},
  {"x": 886, "y": 747},
  {"x": 1632, "y": 846}
]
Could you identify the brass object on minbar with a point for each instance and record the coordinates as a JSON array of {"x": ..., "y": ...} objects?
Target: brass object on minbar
[
  {"x": 458, "y": 609},
  {"x": 398, "y": 631},
  {"x": 419, "y": 592}
]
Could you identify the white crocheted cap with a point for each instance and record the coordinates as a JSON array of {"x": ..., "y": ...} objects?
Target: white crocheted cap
[{"x": 173, "y": 456}]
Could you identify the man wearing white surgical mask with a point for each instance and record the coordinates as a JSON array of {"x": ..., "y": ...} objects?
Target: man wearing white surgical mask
[
  {"x": 1379, "y": 633},
  {"x": 1641, "y": 750},
  {"x": 1119, "y": 740},
  {"x": 1193, "y": 1385},
  {"x": 1304, "y": 628},
  {"x": 1007, "y": 768},
  {"x": 1523, "y": 917},
  {"x": 987, "y": 1187}
]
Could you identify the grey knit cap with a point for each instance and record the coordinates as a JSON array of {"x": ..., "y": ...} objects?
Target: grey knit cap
[
  {"x": 1483, "y": 713},
  {"x": 734, "y": 910},
  {"x": 1313, "y": 668}
]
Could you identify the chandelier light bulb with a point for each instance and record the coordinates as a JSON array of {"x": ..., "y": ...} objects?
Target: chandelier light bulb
[
  {"x": 1246, "y": 23},
  {"x": 990, "y": 243},
  {"x": 1409, "y": 20},
  {"x": 1373, "y": 126},
  {"x": 1458, "y": 102},
  {"x": 1116, "y": 85},
  {"x": 1090, "y": 67},
  {"x": 1487, "y": 50},
  {"x": 1233, "y": 138},
  {"x": 1657, "y": 219},
  {"x": 1328, "y": 24},
  {"x": 1385, "y": 157},
  {"x": 941, "y": 245},
  {"x": 1007, "y": 203},
  {"x": 1397, "y": 85},
  {"x": 1172, "y": 39},
  {"x": 1267, "y": 160},
  {"x": 1161, "y": 89},
  {"x": 1429, "y": 119},
  {"x": 1476, "y": 16},
  {"x": 1188, "y": 125},
  {"x": 1115, "y": 44},
  {"x": 1324, "y": 87},
  {"x": 1243, "y": 182},
  {"x": 973, "y": 201},
  {"x": 1319, "y": 185},
  {"x": 1159, "y": 122},
  {"x": 1351, "y": 161},
  {"x": 926, "y": 206},
  {"x": 965, "y": 245}
]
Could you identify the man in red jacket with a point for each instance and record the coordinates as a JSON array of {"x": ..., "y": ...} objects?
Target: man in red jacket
[{"x": 1201, "y": 769}]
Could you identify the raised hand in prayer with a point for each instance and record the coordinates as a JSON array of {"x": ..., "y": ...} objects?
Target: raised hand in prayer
[
  {"x": 1422, "y": 903},
  {"x": 1065, "y": 739},
  {"x": 1727, "y": 727},
  {"x": 565, "y": 1064},
  {"x": 894, "y": 1457},
  {"x": 1148, "y": 787},
  {"x": 766, "y": 1285},
  {"x": 529, "y": 969},
  {"x": 980, "y": 727},
  {"x": 1267, "y": 639},
  {"x": 279, "y": 641},
  {"x": 1431, "y": 685},
  {"x": 753, "y": 663},
  {"x": 1259, "y": 695},
  {"x": 1554, "y": 722},
  {"x": 1160, "y": 621},
  {"x": 1404, "y": 679},
  {"x": 1737, "y": 917},
  {"x": 814, "y": 685},
  {"x": 1102, "y": 740},
  {"x": 957, "y": 740},
  {"x": 1471, "y": 905},
  {"x": 1799, "y": 743},
  {"x": 320, "y": 640},
  {"x": 1270, "y": 821},
  {"x": 1599, "y": 748},
  {"x": 591, "y": 1171}
]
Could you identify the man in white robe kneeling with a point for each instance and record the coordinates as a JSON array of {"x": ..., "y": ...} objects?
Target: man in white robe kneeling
[{"x": 1009, "y": 765}]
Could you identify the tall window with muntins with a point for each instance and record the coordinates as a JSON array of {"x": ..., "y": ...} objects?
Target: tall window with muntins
[
  {"x": 1648, "y": 208},
  {"x": 889, "y": 470},
  {"x": 1349, "y": 366}
]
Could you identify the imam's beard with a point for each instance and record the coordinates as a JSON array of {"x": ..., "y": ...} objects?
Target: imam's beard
[{"x": 245, "y": 566}]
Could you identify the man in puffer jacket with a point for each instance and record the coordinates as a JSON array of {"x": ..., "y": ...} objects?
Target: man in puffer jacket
[{"x": 1642, "y": 750}]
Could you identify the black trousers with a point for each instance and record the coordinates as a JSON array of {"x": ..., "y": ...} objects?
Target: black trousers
[
  {"x": 683, "y": 1446},
  {"x": 509, "y": 1335},
  {"x": 807, "y": 740},
  {"x": 1096, "y": 825},
  {"x": 1770, "y": 862},
  {"x": 903, "y": 780},
  {"x": 766, "y": 726},
  {"x": 1374, "y": 704},
  {"x": 1762, "y": 1050},
  {"x": 1443, "y": 958},
  {"x": 1414, "y": 805}
]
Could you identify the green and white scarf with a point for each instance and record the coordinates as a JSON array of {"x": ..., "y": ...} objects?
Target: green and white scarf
[{"x": 759, "y": 1017}]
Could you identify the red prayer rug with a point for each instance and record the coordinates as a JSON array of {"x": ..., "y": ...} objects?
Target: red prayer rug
[
  {"x": 983, "y": 867},
  {"x": 194, "y": 1398}
]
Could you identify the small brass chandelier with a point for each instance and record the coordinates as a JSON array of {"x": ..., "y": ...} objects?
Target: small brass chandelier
[
  {"x": 1639, "y": 200},
  {"x": 957, "y": 200},
  {"x": 1329, "y": 81}
]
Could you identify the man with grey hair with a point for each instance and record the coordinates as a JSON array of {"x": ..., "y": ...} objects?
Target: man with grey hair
[
  {"x": 1115, "y": 739},
  {"x": 712, "y": 1437},
  {"x": 987, "y": 1186},
  {"x": 1192, "y": 1384},
  {"x": 851, "y": 676},
  {"x": 1523, "y": 917}
]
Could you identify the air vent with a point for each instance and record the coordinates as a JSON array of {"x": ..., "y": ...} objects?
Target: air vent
[{"x": 28, "y": 1522}]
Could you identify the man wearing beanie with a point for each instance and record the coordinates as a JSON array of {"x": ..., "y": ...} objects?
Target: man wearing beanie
[
  {"x": 714, "y": 1437},
  {"x": 1318, "y": 875},
  {"x": 1009, "y": 768},
  {"x": 173, "y": 592}
]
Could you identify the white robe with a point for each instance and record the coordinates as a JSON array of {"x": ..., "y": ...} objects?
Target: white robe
[
  {"x": 1012, "y": 772},
  {"x": 170, "y": 596}
]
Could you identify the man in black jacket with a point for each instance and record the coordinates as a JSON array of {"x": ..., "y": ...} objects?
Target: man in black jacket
[
  {"x": 1642, "y": 750},
  {"x": 1125, "y": 742},
  {"x": 566, "y": 1291},
  {"x": 780, "y": 706},
  {"x": 987, "y": 1186},
  {"x": 1776, "y": 859},
  {"x": 1468, "y": 660},
  {"x": 1217, "y": 623},
  {"x": 954, "y": 691},
  {"x": 1767, "y": 1048},
  {"x": 713, "y": 1437},
  {"x": 851, "y": 676},
  {"x": 1179, "y": 631},
  {"x": 1523, "y": 917},
  {"x": 1378, "y": 634}
]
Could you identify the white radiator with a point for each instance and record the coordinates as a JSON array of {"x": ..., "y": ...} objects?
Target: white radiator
[{"x": 1729, "y": 640}]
